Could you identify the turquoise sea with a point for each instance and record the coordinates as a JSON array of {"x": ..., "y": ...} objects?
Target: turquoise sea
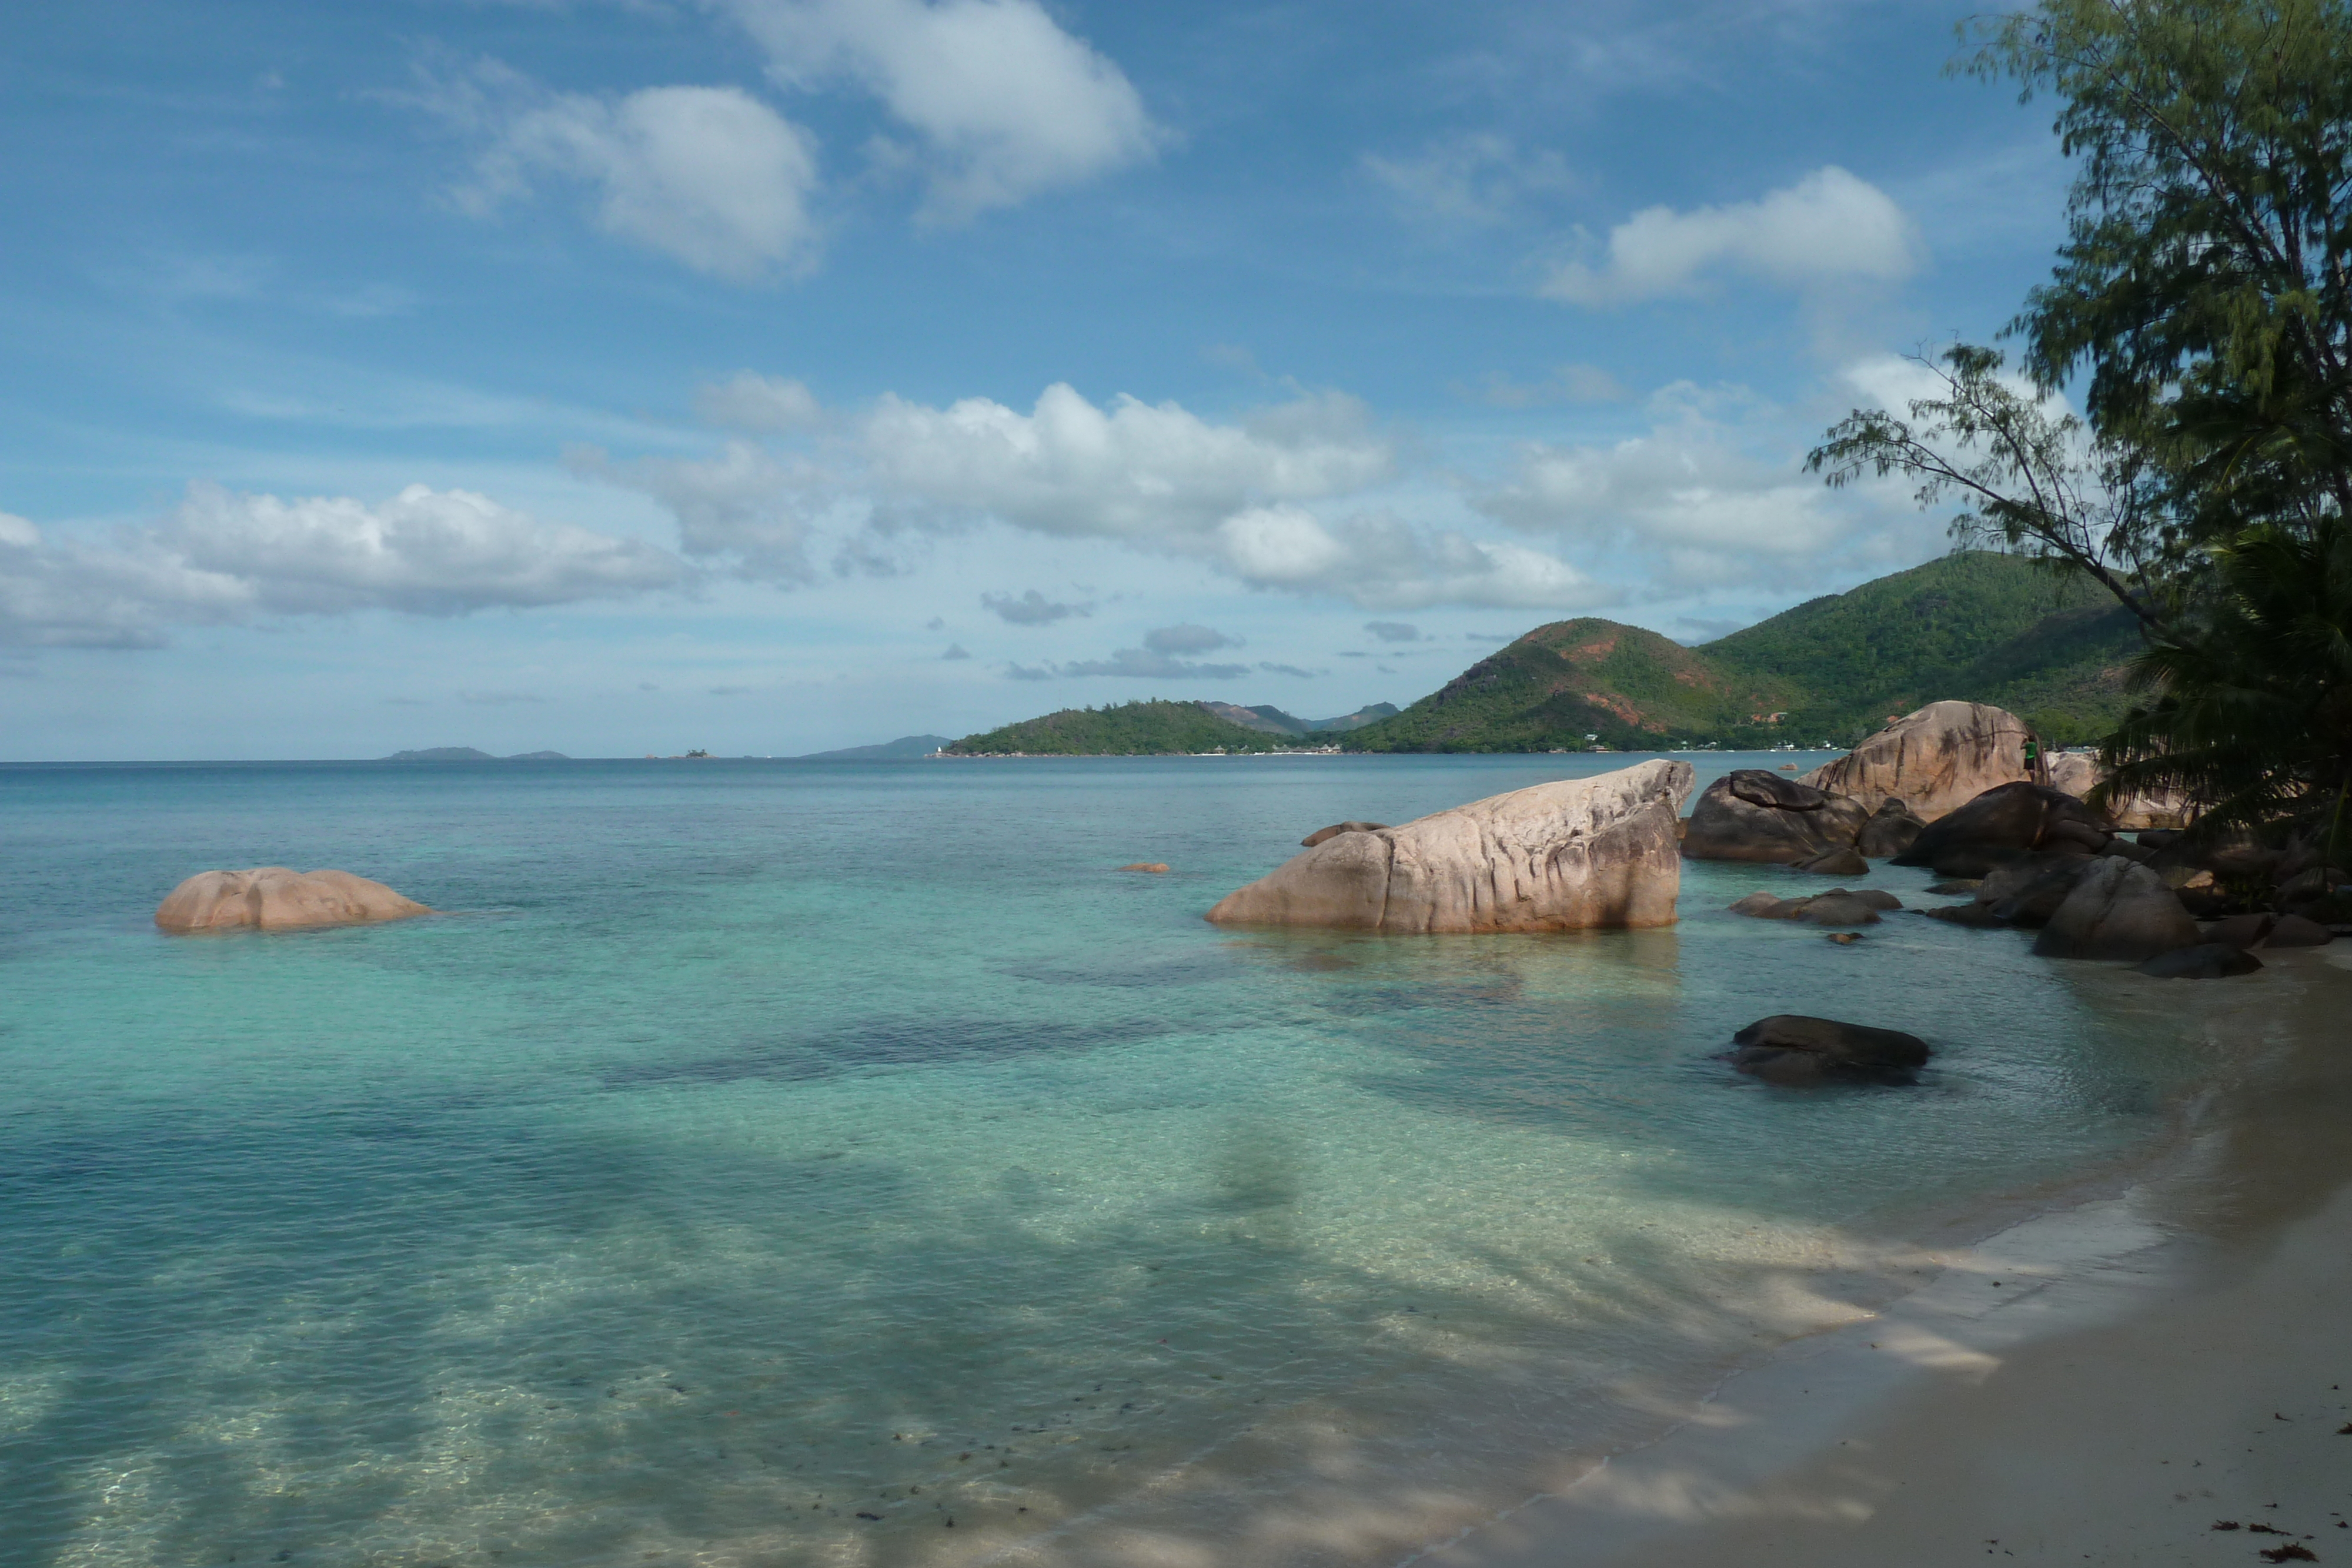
[{"x": 765, "y": 1163}]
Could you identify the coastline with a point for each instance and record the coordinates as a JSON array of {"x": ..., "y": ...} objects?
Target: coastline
[{"x": 2148, "y": 1363}]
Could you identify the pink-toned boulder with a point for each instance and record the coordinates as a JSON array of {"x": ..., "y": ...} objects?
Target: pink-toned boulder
[
  {"x": 273, "y": 898},
  {"x": 1577, "y": 854},
  {"x": 1935, "y": 760}
]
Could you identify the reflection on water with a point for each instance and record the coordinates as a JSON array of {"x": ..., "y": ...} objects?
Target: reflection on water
[{"x": 771, "y": 1164}]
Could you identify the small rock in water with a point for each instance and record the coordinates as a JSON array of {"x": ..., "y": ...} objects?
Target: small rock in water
[
  {"x": 1147, "y": 865},
  {"x": 1801, "y": 1051},
  {"x": 2205, "y": 961},
  {"x": 1843, "y": 938}
]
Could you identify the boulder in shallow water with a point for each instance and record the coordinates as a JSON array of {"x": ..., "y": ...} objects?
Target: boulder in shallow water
[
  {"x": 2028, "y": 891},
  {"x": 1935, "y": 760},
  {"x": 1576, "y": 854},
  {"x": 2003, "y": 824},
  {"x": 2118, "y": 910},
  {"x": 1749, "y": 814},
  {"x": 1836, "y": 862},
  {"x": 1797, "y": 1050},
  {"x": 1325, "y": 835},
  {"x": 276, "y": 898},
  {"x": 2242, "y": 931},
  {"x": 2205, "y": 961}
]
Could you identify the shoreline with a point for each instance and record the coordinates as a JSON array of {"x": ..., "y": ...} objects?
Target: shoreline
[{"x": 2152, "y": 1361}]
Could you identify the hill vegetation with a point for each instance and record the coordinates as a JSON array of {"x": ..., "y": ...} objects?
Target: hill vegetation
[
  {"x": 1976, "y": 625},
  {"x": 1153, "y": 729}
]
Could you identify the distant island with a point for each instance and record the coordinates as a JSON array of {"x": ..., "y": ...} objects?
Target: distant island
[
  {"x": 887, "y": 751},
  {"x": 1974, "y": 625},
  {"x": 467, "y": 753}
]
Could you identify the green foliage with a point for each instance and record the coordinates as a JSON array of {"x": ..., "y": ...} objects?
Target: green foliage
[
  {"x": 1972, "y": 626},
  {"x": 2252, "y": 707},
  {"x": 1152, "y": 729},
  {"x": 2204, "y": 279}
]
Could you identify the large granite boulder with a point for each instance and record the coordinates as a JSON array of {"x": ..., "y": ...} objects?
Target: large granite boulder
[
  {"x": 273, "y": 898},
  {"x": 2030, "y": 889},
  {"x": 1579, "y": 854},
  {"x": 1935, "y": 760},
  {"x": 1749, "y": 814},
  {"x": 2078, "y": 773},
  {"x": 2118, "y": 910},
  {"x": 1795, "y": 1049},
  {"x": 2004, "y": 822}
]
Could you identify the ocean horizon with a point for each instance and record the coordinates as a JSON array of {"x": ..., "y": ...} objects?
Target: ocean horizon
[{"x": 846, "y": 1163}]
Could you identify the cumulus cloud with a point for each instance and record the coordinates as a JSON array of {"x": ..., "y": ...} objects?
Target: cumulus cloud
[
  {"x": 1287, "y": 670},
  {"x": 1830, "y": 227},
  {"x": 1003, "y": 102},
  {"x": 1188, "y": 639},
  {"x": 955, "y": 651},
  {"x": 708, "y": 175},
  {"x": 1031, "y": 609},
  {"x": 1380, "y": 563},
  {"x": 767, "y": 405},
  {"x": 1393, "y": 630},
  {"x": 746, "y": 503},
  {"x": 221, "y": 558},
  {"x": 1693, "y": 493}
]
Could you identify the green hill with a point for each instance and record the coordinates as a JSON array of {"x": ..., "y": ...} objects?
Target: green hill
[
  {"x": 1974, "y": 625},
  {"x": 1130, "y": 730}
]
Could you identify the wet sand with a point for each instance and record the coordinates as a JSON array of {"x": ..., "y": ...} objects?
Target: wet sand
[{"x": 2100, "y": 1385}]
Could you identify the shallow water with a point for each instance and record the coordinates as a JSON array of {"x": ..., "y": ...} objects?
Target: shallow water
[{"x": 754, "y": 1147}]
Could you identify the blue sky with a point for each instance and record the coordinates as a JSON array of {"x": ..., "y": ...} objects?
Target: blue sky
[{"x": 768, "y": 375}]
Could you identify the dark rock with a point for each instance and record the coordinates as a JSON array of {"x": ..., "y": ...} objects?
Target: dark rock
[
  {"x": 2157, "y": 838},
  {"x": 1752, "y": 815},
  {"x": 2306, "y": 887},
  {"x": 1956, "y": 884},
  {"x": 1891, "y": 830},
  {"x": 2205, "y": 961},
  {"x": 2003, "y": 822},
  {"x": 1972, "y": 914},
  {"x": 2295, "y": 931},
  {"x": 1874, "y": 897},
  {"x": 1834, "y": 909},
  {"x": 1321, "y": 834},
  {"x": 2241, "y": 931},
  {"x": 1792, "y": 1049},
  {"x": 2041, "y": 894},
  {"x": 2118, "y": 910},
  {"x": 1836, "y": 862},
  {"x": 1763, "y": 907}
]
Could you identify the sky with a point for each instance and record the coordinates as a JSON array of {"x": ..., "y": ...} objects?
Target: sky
[{"x": 626, "y": 376}]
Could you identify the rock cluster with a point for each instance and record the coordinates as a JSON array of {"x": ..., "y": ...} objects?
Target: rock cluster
[
  {"x": 1570, "y": 855},
  {"x": 273, "y": 898},
  {"x": 1935, "y": 760}
]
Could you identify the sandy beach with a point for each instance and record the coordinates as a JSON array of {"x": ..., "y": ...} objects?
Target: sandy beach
[{"x": 2118, "y": 1382}]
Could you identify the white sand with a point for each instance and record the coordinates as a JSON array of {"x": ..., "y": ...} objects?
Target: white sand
[{"x": 2144, "y": 1367}]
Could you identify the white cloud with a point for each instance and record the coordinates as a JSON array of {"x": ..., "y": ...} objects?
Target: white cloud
[
  {"x": 222, "y": 558},
  {"x": 1006, "y": 104},
  {"x": 1150, "y": 472},
  {"x": 1830, "y": 227},
  {"x": 746, "y": 502},
  {"x": 1145, "y": 664},
  {"x": 1470, "y": 181},
  {"x": 767, "y": 405},
  {"x": 1382, "y": 563},
  {"x": 1187, "y": 638},
  {"x": 1714, "y": 493},
  {"x": 708, "y": 175}
]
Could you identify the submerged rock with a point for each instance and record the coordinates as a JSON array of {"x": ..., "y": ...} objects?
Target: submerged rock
[
  {"x": 1797, "y": 1050},
  {"x": 1570, "y": 855},
  {"x": 276, "y": 898},
  {"x": 2118, "y": 910},
  {"x": 1836, "y": 862},
  {"x": 2205, "y": 961},
  {"x": 1153, "y": 866},
  {"x": 1324, "y": 836},
  {"x": 1835, "y": 907},
  {"x": 1749, "y": 814}
]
